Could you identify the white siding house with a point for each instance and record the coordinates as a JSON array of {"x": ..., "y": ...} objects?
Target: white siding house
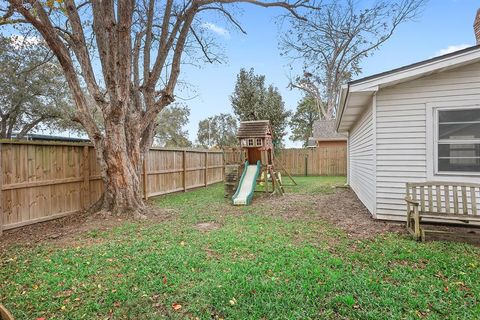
[
  {"x": 413, "y": 124},
  {"x": 361, "y": 165}
]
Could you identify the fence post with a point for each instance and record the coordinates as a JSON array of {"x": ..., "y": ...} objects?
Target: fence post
[
  {"x": 145, "y": 177},
  {"x": 86, "y": 178},
  {"x": 206, "y": 168},
  {"x": 224, "y": 163},
  {"x": 1, "y": 193},
  {"x": 184, "y": 170},
  {"x": 306, "y": 165}
]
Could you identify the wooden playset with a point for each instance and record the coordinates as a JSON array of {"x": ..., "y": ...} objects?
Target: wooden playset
[{"x": 256, "y": 141}]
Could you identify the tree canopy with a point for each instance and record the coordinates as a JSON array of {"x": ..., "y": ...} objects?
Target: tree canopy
[
  {"x": 252, "y": 100},
  {"x": 32, "y": 88},
  {"x": 171, "y": 124},
  {"x": 218, "y": 131},
  {"x": 303, "y": 119}
]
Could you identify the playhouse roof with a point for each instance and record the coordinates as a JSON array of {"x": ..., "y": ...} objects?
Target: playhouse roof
[{"x": 254, "y": 129}]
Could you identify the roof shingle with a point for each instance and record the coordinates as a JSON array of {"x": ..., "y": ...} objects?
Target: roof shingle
[
  {"x": 325, "y": 130},
  {"x": 254, "y": 129}
]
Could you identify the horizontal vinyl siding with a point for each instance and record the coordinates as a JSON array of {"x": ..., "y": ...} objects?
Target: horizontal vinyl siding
[
  {"x": 361, "y": 157},
  {"x": 401, "y": 132}
]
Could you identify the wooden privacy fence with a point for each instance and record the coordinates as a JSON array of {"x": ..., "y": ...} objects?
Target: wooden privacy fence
[
  {"x": 319, "y": 161},
  {"x": 44, "y": 180}
]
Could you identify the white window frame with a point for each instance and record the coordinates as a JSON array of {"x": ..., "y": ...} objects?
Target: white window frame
[
  {"x": 432, "y": 141},
  {"x": 248, "y": 142},
  {"x": 258, "y": 144}
]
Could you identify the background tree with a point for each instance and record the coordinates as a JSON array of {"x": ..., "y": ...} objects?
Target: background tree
[
  {"x": 303, "y": 119},
  {"x": 170, "y": 130},
  {"x": 129, "y": 54},
  {"x": 252, "y": 100},
  {"x": 219, "y": 130},
  {"x": 32, "y": 88},
  {"x": 332, "y": 42}
]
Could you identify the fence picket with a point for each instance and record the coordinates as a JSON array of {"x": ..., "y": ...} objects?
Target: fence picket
[
  {"x": 331, "y": 161},
  {"x": 47, "y": 180}
]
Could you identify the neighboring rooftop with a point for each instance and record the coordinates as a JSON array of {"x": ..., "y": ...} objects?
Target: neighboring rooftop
[
  {"x": 324, "y": 130},
  {"x": 44, "y": 137},
  {"x": 254, "y": 129}
]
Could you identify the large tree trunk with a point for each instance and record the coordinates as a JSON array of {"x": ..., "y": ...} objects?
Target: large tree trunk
[
  {"x": 121, "y": 152},
  {"x": 121, "y": 161}
]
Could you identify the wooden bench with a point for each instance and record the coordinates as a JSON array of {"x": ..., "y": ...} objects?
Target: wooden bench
[{"x": 441, "y": 202}]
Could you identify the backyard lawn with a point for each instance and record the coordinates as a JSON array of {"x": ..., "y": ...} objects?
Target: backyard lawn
[{"x": 280, "y": 258}]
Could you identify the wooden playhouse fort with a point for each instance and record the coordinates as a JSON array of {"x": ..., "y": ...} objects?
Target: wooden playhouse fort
[{"x": 257, "y": 155}]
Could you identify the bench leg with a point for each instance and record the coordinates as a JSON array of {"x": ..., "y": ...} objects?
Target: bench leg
[
  {"x": 413, "y": 222},
  {"x": 416, "y": 228},
  {"x": 409, "y": 216},
  {"x": 409, "y": 221}
]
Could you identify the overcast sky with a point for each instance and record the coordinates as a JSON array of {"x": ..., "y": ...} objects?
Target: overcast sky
[{"x": 445, "y": 25}]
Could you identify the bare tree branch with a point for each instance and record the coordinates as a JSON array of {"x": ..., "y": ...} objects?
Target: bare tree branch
[{"x": 332, "y": 42}]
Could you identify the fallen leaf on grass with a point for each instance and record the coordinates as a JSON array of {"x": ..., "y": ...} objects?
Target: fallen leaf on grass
[{"x": 176, "y": 306}]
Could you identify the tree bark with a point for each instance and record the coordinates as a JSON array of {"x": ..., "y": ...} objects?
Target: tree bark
[{"x": 121, "y": 163}]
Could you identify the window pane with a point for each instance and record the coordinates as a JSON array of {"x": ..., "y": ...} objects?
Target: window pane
[
  {"x": 459, "y": 115},
  {"x": 462, "y": 131},
  {"x": 459, "y": 157}
]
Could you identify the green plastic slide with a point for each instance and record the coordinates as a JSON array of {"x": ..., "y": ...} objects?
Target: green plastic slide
[{"x": 247, "y": 184}]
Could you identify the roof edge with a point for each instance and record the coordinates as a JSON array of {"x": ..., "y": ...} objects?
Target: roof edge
[
  {"x": 368, "y": 83},
  {"x": 416, "y": 64},
  {"x": 343, "y": 99}
]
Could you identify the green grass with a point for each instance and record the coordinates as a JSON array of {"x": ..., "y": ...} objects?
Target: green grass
[
  {"x": 314, "y": 185},
  {"x": 257, "y": 265}
]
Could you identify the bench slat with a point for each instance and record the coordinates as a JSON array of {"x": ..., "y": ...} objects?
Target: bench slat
[
  {"x": 446, "y": 194},
  {"x": 430, "y": 198},
  {"x": 439, "y": 198},
  {"x": 474, "y": 200},
  {"x": 455, "y": 199},
  {"x": 433, "y": 215},
  {"x": 464, "y": 200},
  {"x": 422, "y": 198}
]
